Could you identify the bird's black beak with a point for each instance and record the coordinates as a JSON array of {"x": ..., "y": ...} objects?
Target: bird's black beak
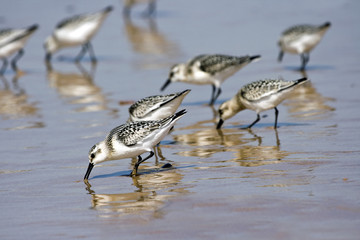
[
  {"x": 220, "y": 123},
  {"x": 48, "y": 57},
  {"x": 87, "y": 174},
  {"x": 166, "y": 84}
]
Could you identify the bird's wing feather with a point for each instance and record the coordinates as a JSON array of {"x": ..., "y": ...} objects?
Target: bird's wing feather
[
  {"x": 77, "y": 20},
  {"x": 149, "y": 104},
  {"x": 9, "y": 35},
  {"x": 132, "y": 133},
  {"x": 264, "y": 88},
  {"x": 217, "y": 63}
]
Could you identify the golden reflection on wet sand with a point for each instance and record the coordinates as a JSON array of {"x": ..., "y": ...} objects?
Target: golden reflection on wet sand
[
  {"x": 207, "y": 141},
  {"x": 147, "y": 40},
  {"x": 78, "y": 88},
  {"x": 253, "y": 156},
  {"x": 151, "y": 193},
  {"x": 306, "y": 102},
  {"x": 148, "y": 12},
  {"x": 14, "y": 100}
]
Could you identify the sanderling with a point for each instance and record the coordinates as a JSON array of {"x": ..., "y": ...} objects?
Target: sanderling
[
  {"x": 301, "y": 39},
  {"x": 156, "y": 107},
  {"x": 11, "y": 41},
  {"x": 130, "y": 140},
  {"x": 258, "y": 96},
  {"x": 208, "y": 69},
  {"x": 128, "y": 4},
  {"x": 74, "y": 31}
]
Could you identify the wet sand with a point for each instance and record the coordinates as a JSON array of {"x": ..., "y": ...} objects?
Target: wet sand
[{"x": 299, "y": 182}]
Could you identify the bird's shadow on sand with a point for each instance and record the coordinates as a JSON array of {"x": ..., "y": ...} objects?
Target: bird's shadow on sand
[
  {"x": 309, "y": 68},
  {"x": 140, "y": 172},
  {"x": 204, "y": 103}
]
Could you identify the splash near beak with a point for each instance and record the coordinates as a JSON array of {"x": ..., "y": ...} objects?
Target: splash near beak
[
  {"x": 220, "y": 123},
  {"x": 87, "y": 174},
  {"x": 166, "y": 84}
]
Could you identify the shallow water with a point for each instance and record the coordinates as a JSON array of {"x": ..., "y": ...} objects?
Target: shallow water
[{"x": 299, "y": 182}]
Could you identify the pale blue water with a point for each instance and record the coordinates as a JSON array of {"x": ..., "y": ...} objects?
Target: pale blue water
[{"x": 301, "y": 182}]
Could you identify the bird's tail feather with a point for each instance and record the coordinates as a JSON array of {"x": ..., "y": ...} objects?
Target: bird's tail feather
[
  {"x": 173, "y": 117},
  {"x": 255, "y": 57}
]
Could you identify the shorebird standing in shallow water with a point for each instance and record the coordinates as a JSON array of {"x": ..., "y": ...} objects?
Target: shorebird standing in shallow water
[
  {"x": 156, "y": 107},
  {"x": 208, "y": 69},
  {"x": 12, "y": 41},
  {"x": 301, "y": 39},
  {"x": 75, "y": 31},
  {"x": 258, "y": 96},
  {"x": 130, "y": 140}
]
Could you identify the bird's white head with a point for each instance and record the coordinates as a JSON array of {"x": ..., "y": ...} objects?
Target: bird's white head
[
  {"x": 177, "y": 72},
  {"x": 98, "y": 153},
  {"x": 229, "y": 109}
]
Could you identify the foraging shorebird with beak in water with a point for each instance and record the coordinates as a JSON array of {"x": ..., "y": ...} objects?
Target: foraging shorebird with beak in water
[
  {"x": 258, "y": 96},
  {"x": 131, "y": 140},
  {"x": 208, "y": 69}
]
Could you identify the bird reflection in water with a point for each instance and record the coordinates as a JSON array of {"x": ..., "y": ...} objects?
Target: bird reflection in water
[
  {"x": 306, "y": 102},
  {"x": 15, "y": 102},
  {"x": 148, "y": 41},
  {"x": 150, "y": 193},
  {"x": 205, "y": 141},
  {"x": 78, "y": 88},
  {"x": 129, "y": 4},
  {"x": 259, "y": 155},
  {"x": 157, "y": 154}
]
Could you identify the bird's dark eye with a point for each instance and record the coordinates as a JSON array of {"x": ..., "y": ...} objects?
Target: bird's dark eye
[
  {"x": 220, "y": 111},
  {"x": 92, "y": 155}
]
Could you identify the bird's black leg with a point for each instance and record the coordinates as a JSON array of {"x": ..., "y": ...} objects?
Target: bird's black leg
[
  {"x": 307, "y": 57},
  {"x": 91, "y": 52},
  {"x": 16, "y": 58},
  {"x": 281, "y": 55},
  {"x": 212, "y": 95},
  {"x": 256, "y": 120},
  {"x": 151, "y": 8},
  {"x": 3, "y": 68},
  {"x": 216, "y": 96},
  {"x": 276, "y": 117},
  {"x": 140, "y": 160},
  {"x": 134, "y": 171},
  {"x": 81, "y": 53},
  {"x": 304, "y": 60}
]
